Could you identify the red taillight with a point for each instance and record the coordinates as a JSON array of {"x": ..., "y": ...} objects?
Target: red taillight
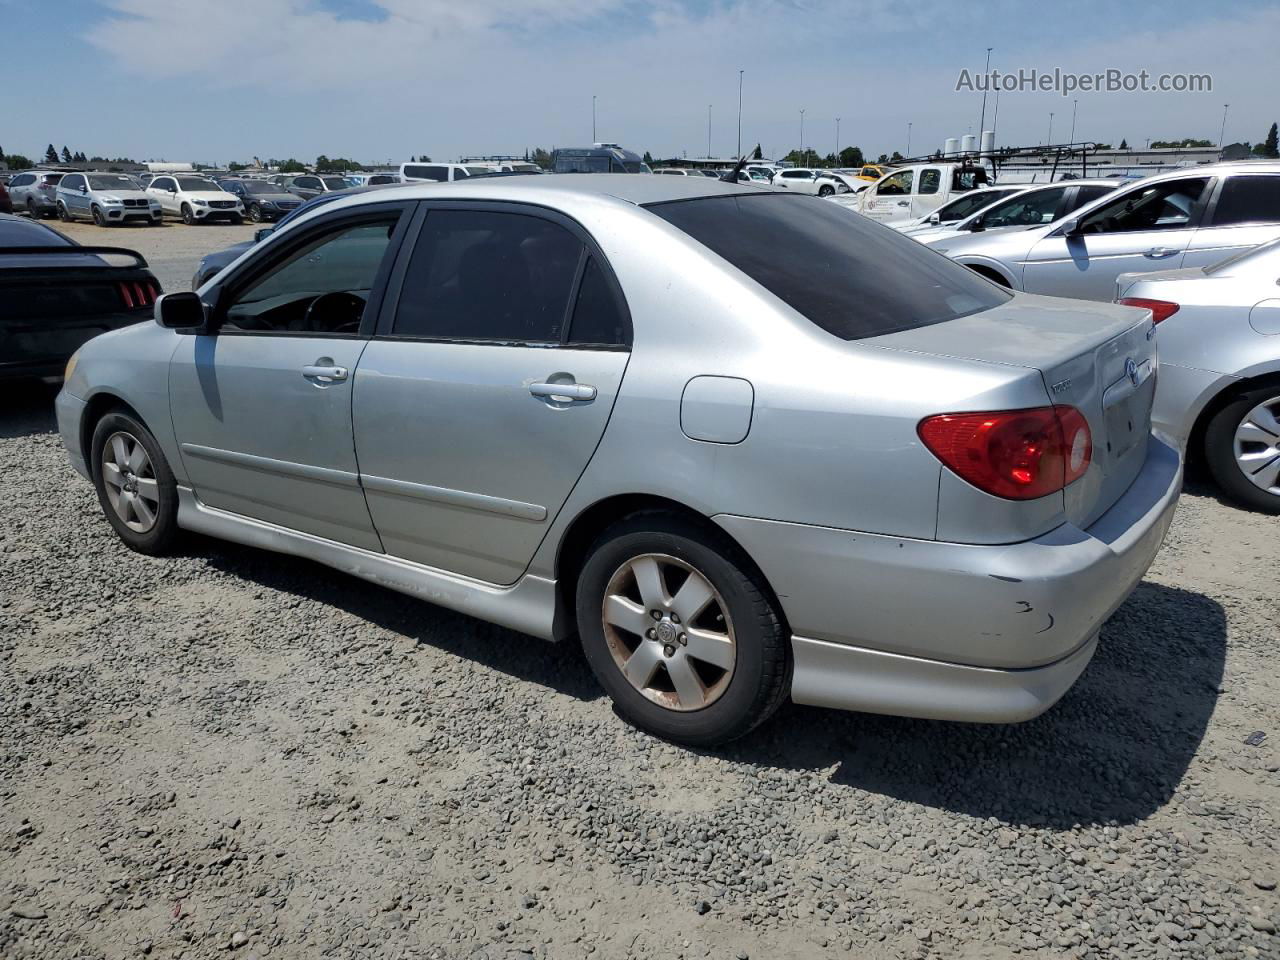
[
  {"x": 127, "y": 295},
  {"x": 138, "y": 293},
  {"x": 1015, "y": 454},
  {"x": 1160, "y": 309}
]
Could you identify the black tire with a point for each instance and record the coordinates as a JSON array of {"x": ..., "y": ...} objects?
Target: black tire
[
  {"x": 255, "y": 213},
  {"x": 160, "y": 538},
  {"x": 826, "y": 190},
  {"x": 32, "y": 212},
  {"x": 1219, "y": 448},
  {"x": 63, "y": 213},
  {"x": 188, "y": 217},
  {"x": 98, "y": 218},
  {"x": 761, "y": 674}
]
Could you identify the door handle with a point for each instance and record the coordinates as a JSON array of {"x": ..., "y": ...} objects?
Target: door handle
[
  {"x": 324, "y": 374},
  {"x": 904, "y": 203},
  {"x": 1157, "y": 253},
  {"x": 563, "y": 391}
]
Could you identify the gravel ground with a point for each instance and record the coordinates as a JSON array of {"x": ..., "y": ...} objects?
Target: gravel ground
[
  {"x": 172, "y": 251},
  {"x": 236, "y": 751}
]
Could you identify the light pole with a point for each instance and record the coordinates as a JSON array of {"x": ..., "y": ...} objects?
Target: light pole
[
  {"x": 593, "y": 118},
  {"x": 837, "y": 153},
  {"x": 708, "y": 131},
  {"x": 1050, "y": 140},
  {"x": 983, "y": 121},
  {"x": 1072, "y": 138},
  {"x": 1222, "y": 134},
  {"x": 740, "y": 72},
  {"x": 802, "y": 155},
  {"x": 908, "y": 138}
]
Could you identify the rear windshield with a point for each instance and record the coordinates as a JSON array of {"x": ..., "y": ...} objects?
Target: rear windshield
[
  {"x": 852, "y": 277},
  {"x": 24, "y": 233}
]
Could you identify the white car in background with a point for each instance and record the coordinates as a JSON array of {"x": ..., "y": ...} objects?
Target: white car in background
[
  {"x": 1027, "y": 207},
  {"x": 955, "y": 211},
  {"x": 820, "y": 183},
  {"x": 195, "y": 199}
]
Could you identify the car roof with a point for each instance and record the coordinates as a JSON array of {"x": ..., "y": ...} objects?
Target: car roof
[{"x": 637, "y": 188}]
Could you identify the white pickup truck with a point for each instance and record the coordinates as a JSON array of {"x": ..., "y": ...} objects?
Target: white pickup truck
[{"x": 915, "y": 191}]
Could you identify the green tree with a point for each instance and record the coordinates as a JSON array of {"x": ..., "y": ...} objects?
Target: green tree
[
  {"x": 1124, "y": 144},
  {"x": 647, "y": 158},
  {"x": 883, "y": 158},
  {"x": 1180, "y": 144},
  {"x": 17, "y": 161},
  {"x": 757, "y": 154},
  {"x": 292, "y": 166},
  {"x": 66, "y": 154},
  {"x": 50, "y": 154},
  {"x": 542, "y": 158},
  {"x": 851, "y": 157},
  {"x": 233, "y": 166},
  {"x": 1271, "y": 146},
  {"x": 896, "y": 157}
]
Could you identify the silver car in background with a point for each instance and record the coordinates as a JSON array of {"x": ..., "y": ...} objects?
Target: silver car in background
[
  {"x": 956, "y": 210},
  {"x": 1189, "y": 218},
  {"x": 743, "y": 445},
  {"x": 1029, "y": 207},
  {"x": 1219, "y": 333},
  {"x": 108, "y": 199}
]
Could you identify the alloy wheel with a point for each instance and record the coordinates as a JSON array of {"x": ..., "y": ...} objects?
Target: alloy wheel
[
  {"x": 1257, "y": 445},
  {"x": 669, "y": 633},
  {"x": 130, "y": 483}
]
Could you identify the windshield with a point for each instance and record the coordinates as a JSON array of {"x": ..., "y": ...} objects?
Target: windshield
[
  {"x": 970, "y": 203},
  {"x": 848, "y": 275},
  {"x": 197, "y": 183},
  {"x": 257, "y": 186},
  {"x": 335, "y": 183},
  {"x": 114, "y": 181}
]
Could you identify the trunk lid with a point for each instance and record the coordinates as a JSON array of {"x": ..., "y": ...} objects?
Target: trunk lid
[{"x": 1099, "y": 358}]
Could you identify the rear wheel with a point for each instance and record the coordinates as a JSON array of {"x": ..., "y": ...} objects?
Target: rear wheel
[
  {"x": 188, "y": 217},
  {"x": 32, "y": 212},
  {"x": 1242, "y": 447},
  {"x": 826, "y": 190},
  {"x": 680, "y": 632},
  {"x": 63, "y": 214},
  {"x": 135, "y": 486}
]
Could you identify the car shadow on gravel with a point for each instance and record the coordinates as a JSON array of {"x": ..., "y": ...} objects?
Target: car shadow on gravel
[
  {"x": 559, "y": 666},
  {"x": 26, "y": 408},
  {"x": 1113, "y": 750}
]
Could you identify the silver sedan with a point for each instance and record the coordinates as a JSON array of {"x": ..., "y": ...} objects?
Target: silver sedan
[
  {"x": 1219, "y": 389},
  {"x": 743, "y": 445}
]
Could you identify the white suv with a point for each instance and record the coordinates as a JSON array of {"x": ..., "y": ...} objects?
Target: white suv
[
  {"x": 195, "y": 199},
  {"x": 442, "y": 172}
]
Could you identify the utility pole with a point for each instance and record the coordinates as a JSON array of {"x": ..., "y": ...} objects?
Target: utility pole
[
  {"x": 708, "y": 131},
  {"x": 1222, "y": 134},
  {"x": 908, "y": 138},
  {"x": 593, "y": 118},
  {"x": 802, "y": 153},
  {"x": 740, "y": 72},
  {"x": 1050, "y": 140},
  {"x": 837, "y": 153},
  {"x": 983, "y": 121},
  {"x": 1072, "y": 138}
]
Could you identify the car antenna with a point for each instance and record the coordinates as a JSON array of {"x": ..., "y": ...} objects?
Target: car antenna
[{"x": 732, "y": 175}]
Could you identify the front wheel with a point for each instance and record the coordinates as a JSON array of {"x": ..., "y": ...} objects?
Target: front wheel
[
  {"x": 255, "y": 213},
  {"x": 680, "y": 632},
  {"x": 135, "y": 486},
  {"x": 826, "y": 190},
  {"x": 98, "y": 218},
  {"x": 1242, "y": 447},
  {"x": 188, "y": 217}
]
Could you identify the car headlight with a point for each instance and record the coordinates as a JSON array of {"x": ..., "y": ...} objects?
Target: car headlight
[
  {"x": 71, "y": 366},
  {"x": 109, "y": 200},
  {"x": 199, "y": 203},
  {"x": 269, "y": 203}
]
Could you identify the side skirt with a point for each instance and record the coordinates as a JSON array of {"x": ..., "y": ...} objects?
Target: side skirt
[{"x": 529, "y": 605}]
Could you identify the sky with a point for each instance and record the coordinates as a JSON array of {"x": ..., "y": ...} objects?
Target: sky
[{"x": 379, "y": 80}]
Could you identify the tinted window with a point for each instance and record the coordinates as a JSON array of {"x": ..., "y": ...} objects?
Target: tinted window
[
  {"x": 73, "y": 182},
  {"x": 197, "y": 184},
  {"x": 959, "y": 209},
  {"x": 113, "y": 181},
  {"x": 1161, "y": 206},
  {"x": 439, "y": 174},
  {"x": 22, "y": 180},
  {"x": 1248, "y": 200},
  {"x": 930, "y": 180},
  {"x": 1087, "y": 195},
  {"x": 597, "y": 316},
  {"x": 308, "y": 183},
  {"x": 24, "y": 233},
  {"x": 488, "y": 276},
  {"x": 896, "y": 185},
  {"x": 849, "y": 275},
  {"x": 321, "y": 287},
  {"x": 336, "y": 183},
  {"x": 51, "y": 177},
  {"x": 1025, "y": 210},
  {"x": 383, "y": 179}
]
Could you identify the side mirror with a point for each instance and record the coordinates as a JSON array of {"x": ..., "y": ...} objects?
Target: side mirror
[
  {"x": 1070, "y": 227},
  {"x": 83, "y": 188},
  {"x": 182, "y": 311},
  {"x": 262, "y": 233},
  {"x": 977, "y": 226},
  {"x": 935, "y": 219}
]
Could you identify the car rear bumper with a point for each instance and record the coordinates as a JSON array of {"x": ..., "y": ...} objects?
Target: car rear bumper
[
  {"x": 70, "y": 414},
  {"x": 957, "y": 631}
]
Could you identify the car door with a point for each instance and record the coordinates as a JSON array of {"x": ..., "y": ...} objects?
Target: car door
[
  {"x": 68, "y": 191},
  {"x": 928, "y": 195},
  {"x": 262, "y": 407},
  {"x": 1147, "y": 227},
  {"x": 165, "y": 189},
  {"x": 890, "y": 199},
  {"x": 1244, "y": 213},
  {"x": 487, "y": 389}
]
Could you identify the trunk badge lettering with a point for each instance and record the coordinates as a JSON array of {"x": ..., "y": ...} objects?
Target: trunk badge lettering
[{"x": 1062, "y": 386}]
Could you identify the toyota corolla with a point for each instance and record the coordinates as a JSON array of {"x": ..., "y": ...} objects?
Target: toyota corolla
[{"x": 743, "y": 445}]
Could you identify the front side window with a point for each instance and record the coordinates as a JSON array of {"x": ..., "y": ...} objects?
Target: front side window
[
  {"x": 1025, "y": 210},
  {"x": 197, "y": 184},
  {"x": 336, "y": 183},
  {"x": 319, "y": 288},
  {"x": 1161, "y": 206},
  {"x": 73, "y": 182},
  {"x": 1248, "y": 199},
  {"x": 308, "y": 183},
  {"x": 848, "y": 275},
  {"x": 897, "y": 185},
  {"x": 961, "y": 208},
  {"x": 477, "y": 275},
  {"x": 930, "y": 180}
]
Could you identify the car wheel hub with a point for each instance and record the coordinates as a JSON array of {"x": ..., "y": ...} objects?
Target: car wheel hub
[
  {"x": 1257, "y": 445},
  {"x": 129, "y": 482}
]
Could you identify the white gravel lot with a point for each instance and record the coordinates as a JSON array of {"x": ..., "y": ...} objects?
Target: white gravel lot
[{"x": 235, "y": 751}]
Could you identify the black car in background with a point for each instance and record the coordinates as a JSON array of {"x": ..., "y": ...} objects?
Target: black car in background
[
  {"x": 309, "y": 186},
  {"x": 262, "y": 200},
  {"x": 55, "y": 294}
]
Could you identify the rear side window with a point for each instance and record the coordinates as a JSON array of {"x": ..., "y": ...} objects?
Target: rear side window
[
  {"x": 477, "y": 275},
  {"x": 1248, "y": 199},
  {"x": 930, "y": 180},
  {"x": 852, "y": 277},
  {"x": 597, "y": 316},
  {"x": 1087, "y": 194},
  {"x": 22, "y": 181}
]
